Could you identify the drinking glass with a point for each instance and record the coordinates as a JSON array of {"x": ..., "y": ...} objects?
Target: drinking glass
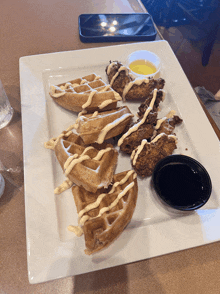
[{"x": 6, "y": 111}]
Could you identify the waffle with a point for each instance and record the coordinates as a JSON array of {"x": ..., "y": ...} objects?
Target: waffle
[
  {"x": 89, "y": 93},
  {"x": 86, "y": 166},
  {"x": 104, "y": 215},
  {"x": 104, "y": 125}
]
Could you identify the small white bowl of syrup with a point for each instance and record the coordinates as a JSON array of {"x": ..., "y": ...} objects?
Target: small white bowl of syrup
[{"x": 144, "y": 64}]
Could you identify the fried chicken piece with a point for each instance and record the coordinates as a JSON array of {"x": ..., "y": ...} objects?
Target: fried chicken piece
[
  {"x": 167, "y": 124},
  {"x": 145, "y": 157},
  {"x": 151, "y": 118},
  {"x": 134, "y": 139},
  {"x": 142, "y": 129},
  {"x": 142, "y": 108},
  {"x": 140, "y": 89},
  {"x": 175, "y": 120},
  {"x": 118, "y": 76}
]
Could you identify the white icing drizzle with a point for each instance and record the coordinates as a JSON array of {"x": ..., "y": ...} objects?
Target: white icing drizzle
[
  {"x": 53, "y": 141},
  {"x": 69, "y": 160},
  {"x": 105, "y": 103},
  {"x": 101, "y": 153},
  {"x": 62, "y": 89},
  {"x": 135, "y": 82},
  {"x": 117, "y": 73},
  {"x": 105, "y": 209},
  {"x": 75, "y": 85},
  {"x": 76, "y": 230},
  {"x": 116, "y": 95},
  {"x": 76, "y": 158},
  {"x": 95, "y": 113},
  {"x": 105, "y": 89},
  {"x": 137, "y": 125},
  {"x": 83, "y": 82},
  {"x": 138, "y": 150},
  {"x": 101, "y": 196},
  {"x": 80, "y": 115},
  {"x": 67, "y": 86},
  {"x": 74, "y": 162},
  {"x": 110, "y": 126},
  {"x": 89, "y": 101},
  {"x": 64, "y": 186},
  {"x": 110, "y": 67},
  {"x": 53, "y": 91}
]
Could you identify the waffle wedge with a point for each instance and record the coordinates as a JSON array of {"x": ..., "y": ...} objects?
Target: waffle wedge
[
  {"x": 86, "y": 166},
  {"x": 89, "y": 93},
  {"x": 104, "y": 125},
  {"x": 104, "y": 215}
]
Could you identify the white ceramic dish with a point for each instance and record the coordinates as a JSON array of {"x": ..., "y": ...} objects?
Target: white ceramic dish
[{"x": 52, "y": 251}]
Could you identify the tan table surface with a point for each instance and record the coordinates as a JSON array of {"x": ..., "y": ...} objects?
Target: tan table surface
[{"x": 29, "y": 27}]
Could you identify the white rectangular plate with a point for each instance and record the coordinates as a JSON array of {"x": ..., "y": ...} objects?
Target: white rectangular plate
[{"x": 52, "y": 251}]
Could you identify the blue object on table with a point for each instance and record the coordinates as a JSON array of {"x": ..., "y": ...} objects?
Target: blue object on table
[{"x": 116, "y": 27}]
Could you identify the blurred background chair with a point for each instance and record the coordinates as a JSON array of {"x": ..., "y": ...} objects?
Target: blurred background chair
[{"x": 204, "y": 15}]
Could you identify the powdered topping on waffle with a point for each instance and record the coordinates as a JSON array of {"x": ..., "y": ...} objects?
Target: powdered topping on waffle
[
  {"x": 64, "y": 186},
  {"x": 87, "y": 93},
  {"x": 89, "y": 101},
  {"x": 74, "y": 161},
  {"x": 101, "y": 153},
  {"x": 56, "y": 91},
  {"x": 105, "y": 209},
  {"x": 103, "y": 125},
  {"x": 101, "y": 196},
  {"x": 83, "y": 218},
  {"x": 105, "y": 103},
  {"x": 76, "y": 158},
  {"x": 86, "y": 166},
  {"x": 53, "y": 141},
  {"x": 137, "y": 125},
  {"x": 110, "y": 126}
]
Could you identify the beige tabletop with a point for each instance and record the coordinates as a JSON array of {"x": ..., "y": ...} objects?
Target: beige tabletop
[{"x": 30, "y": 27}]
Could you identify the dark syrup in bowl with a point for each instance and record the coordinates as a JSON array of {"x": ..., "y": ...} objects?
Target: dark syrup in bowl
[{"x": 182, "y": 182}]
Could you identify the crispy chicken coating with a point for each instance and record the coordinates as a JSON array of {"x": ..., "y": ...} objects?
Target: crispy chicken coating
[
  {"x": 122, "y": 79},
  {"x": 143, "y": 90},
  {"x": 143, "y": 107},
  {"x": 134, "y": 139},
  {"x": 145, "y": 157}
]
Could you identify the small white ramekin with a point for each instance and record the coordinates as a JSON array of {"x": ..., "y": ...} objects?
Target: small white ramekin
[{"x": 148, "y": 56}]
